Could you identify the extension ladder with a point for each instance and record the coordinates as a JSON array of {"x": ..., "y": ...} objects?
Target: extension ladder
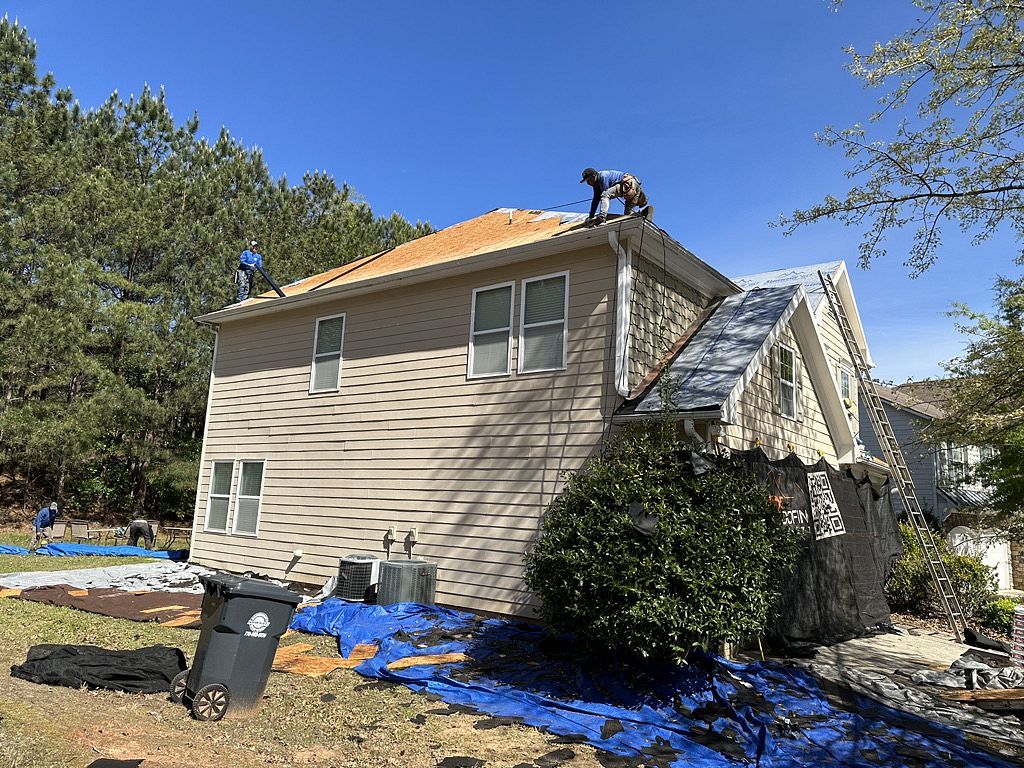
[{"x": 894, "y": 458}]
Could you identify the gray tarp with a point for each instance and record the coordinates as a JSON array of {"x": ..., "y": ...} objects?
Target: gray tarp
[{"x": 164, "y": 576}]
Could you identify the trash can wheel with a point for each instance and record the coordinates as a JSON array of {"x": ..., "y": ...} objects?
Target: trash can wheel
[
  {"x": 210, "y": 702},
  {"x": 178, "y": 687}
]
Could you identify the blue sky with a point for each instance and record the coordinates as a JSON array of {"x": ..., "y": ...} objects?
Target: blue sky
[{"x": 442, "y": 111}]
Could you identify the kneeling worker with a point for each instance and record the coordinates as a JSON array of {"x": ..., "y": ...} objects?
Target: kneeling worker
[
  {"x": 614, "y": 184},
  {"x": 43, "y": 526}
]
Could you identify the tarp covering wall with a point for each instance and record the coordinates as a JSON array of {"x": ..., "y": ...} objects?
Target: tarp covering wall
[
  {"x": 853, "y": 543},
  {"x": 711, "y": 714}
]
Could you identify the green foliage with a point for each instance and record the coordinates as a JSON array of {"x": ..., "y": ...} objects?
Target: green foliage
[
  {"x": 117, "y": 227},
  {"x": 952, "y": 121},
  {"x": 910, "y": 588},
  {"x": 998, "y": 615},
  {"x": 711, "y": 571}
]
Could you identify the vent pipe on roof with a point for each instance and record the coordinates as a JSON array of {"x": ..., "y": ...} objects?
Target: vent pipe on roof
[{"x": 510, "y": 216}]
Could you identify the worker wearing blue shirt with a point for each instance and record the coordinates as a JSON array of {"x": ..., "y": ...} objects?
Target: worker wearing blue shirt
[
  {"x": 248, "y": 262},
  {"x": 614, "y": 184},
  {"x": 43, "y": 525}
]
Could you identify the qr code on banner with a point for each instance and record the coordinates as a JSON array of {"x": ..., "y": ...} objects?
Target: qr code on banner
[{"x": 828, "y": 521}]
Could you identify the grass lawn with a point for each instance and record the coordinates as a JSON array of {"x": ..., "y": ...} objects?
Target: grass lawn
[{"x": 341, "y": 719}]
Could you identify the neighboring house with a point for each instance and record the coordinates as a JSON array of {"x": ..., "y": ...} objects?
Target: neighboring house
[
  {"x": 942, "y": 473},
  {"x": 443, "y": 388}
]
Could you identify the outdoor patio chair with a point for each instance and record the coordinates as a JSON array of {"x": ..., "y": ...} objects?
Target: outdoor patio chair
[
  {"x": 80, "y": 531},
  {"x": 60, "y": 529}
]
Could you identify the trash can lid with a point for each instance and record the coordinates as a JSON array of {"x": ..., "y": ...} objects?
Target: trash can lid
[{"x": 240, "y": 586}]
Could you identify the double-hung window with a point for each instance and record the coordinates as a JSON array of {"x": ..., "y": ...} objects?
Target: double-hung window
[
  {"x": 327, "y": 342},
  {"x": 491, "y": 331},
  {"x": 846, "y": 384},
  {"x": 787, "y": 381},
  {"x": 250, "y": 493},
  {"x": 542, "y": 337},
  {"x": 220, "y": 496}
]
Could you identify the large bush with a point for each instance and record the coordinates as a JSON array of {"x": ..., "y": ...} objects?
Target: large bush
[
  {"x": 704, "y": 561},
  {"x": 910, "y": 588},
  {"x": 998, "y": 615}
]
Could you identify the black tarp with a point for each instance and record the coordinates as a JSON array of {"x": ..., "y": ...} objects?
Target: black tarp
[
  {"x": 144, "y": 670},
  {"x": 836, "y": 591}
]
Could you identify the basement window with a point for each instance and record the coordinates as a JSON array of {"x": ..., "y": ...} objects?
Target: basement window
[
  {"x": 220, "y": 496},
  {"x": 326, "y": 370},
  {"x": 490, "y": 335},
  {"x": 250, "y": 494},
  {"x": 542, "y": 336}
]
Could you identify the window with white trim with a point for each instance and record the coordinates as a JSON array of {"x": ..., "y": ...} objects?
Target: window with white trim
[
  {"x": 543, "y": 323},
  {"x": 846, "y": 383},
  {"x": 490, "y": 333},
  {"x": 787, "y": 381},
  {"x": 326, "y": 369},
  {"x": 248, "y": 498},
  {"x": 219, "y": 500}
]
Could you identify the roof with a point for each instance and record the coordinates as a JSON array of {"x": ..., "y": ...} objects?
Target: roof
[
  {"x": 807, "y": 276},
  {"x": 904, "y": 401},
  {"x": 706, "y": 370},
  {"x": 500, "y": 236},
  {"x": 967, "y": 498}
]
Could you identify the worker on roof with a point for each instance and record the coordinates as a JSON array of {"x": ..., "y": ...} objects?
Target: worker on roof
[
  {"x": 250, "y": 260},
  {"x": 614, "y": 184}
]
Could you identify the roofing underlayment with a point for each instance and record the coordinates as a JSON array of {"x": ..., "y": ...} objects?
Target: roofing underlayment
[
  {"x": 500, "y": 229},
  {"x": 708, "y": 368},
  {"x": 807, "y": 276}
]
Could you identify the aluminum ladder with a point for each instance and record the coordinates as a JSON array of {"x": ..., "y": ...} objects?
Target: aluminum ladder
[{"x": 894, "y": 458}]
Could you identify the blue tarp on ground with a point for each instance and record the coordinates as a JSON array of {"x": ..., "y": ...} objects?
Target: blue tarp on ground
[
  {"x": 73, "y": 550},
  {"x": 712, "y": 714}
]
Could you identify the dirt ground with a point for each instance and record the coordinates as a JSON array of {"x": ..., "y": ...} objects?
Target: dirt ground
[{"x": 339, "y": 720}]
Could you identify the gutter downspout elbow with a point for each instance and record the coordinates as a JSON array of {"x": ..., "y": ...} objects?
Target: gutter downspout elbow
[{"x": 623, "y": 311}]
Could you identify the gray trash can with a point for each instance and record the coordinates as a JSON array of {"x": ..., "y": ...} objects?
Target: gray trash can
[{"x": 243, "y": 620}]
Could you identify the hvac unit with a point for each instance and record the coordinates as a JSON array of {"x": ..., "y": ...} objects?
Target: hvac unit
[
  {"x": 407, "y": 581},
  {"x": 357, "y": 577}
]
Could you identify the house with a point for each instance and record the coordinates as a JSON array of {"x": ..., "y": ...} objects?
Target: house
[
  {"x": 426, "y": 401},
  {"x": 942, "y": 474}
]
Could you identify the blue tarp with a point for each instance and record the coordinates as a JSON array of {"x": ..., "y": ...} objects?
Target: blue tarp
[
  {"x": 73, "y": 550},
  {"x": 713, "y": 713}
]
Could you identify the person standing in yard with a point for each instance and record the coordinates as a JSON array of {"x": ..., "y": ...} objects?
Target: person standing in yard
[
  {"x": 43, "y": 525},
  {"x": 141, "y": 529},
  {"x": 614, "y": 184},
  {"x": 250, "y": 260}
]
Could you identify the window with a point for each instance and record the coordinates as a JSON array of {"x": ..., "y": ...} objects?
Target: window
[
  {"x": 846, "y": 384},
  {"x": 250, "y": 491},
  {"x": 220, "y": 496},
  {"x": 491, "y": 331},
  {"x": 327, "y": 354},
  {"x": 787, "y": 381},
  {"x": 543, "y": 324},
  {"x": 953, "y": 469}
]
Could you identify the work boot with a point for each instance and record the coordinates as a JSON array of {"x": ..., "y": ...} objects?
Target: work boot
[
  {"x": 648, "y": 213},
  {"x": 598, "y": 220}
]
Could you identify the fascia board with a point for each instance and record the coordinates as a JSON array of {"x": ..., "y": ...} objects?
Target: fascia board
[
  {"x": 595, "y": 236},
  {"x": 845, "y": 290}
]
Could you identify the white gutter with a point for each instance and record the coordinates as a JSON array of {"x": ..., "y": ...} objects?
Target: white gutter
[
  {"x": 623, "y": 311},
  {"x": 710, "y": 414}
]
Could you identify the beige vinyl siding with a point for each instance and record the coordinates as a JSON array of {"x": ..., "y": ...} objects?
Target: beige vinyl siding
[
  {"x": 408, "y": 440},
  {"x": 757, "y": 419},
  {"x": 838, "y": 356},
  {"x": 662, "y": 309}
]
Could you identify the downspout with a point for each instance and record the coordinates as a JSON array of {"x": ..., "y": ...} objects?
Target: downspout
[{"x": 623, "y": 311}]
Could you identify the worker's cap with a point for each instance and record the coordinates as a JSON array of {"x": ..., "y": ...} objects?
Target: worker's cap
[
  {"x": 253, "y": 243},
  {"x": 53, "y": 505},
  {"x": 587, "y": 173}
]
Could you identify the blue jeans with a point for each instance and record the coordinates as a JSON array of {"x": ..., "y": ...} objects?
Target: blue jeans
[{"x": 244, "y": 279}]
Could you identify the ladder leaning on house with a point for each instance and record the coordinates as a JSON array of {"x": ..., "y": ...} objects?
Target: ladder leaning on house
[{"x": 894, "y": 458}]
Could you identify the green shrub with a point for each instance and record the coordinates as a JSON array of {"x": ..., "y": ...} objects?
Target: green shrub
[
  {"x": 998, "y": 615},
  {"x": 712, "y": 569},
  {"x": 910, "y": 588}
]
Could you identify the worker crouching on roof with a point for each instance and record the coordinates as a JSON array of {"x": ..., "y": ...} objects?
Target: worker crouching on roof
[
  {"x": 43, "y": 526},
  {"x": 614, "y": 184},
  {"x": 248, "y": 262}
]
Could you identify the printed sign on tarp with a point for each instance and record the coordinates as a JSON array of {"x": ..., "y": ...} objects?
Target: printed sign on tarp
[{"x": 828, "y": 521}]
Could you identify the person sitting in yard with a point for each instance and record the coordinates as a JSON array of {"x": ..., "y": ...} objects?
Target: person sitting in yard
[
  {"x": 43, "y": 526},
  {"x": 141, "y": 529}
]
